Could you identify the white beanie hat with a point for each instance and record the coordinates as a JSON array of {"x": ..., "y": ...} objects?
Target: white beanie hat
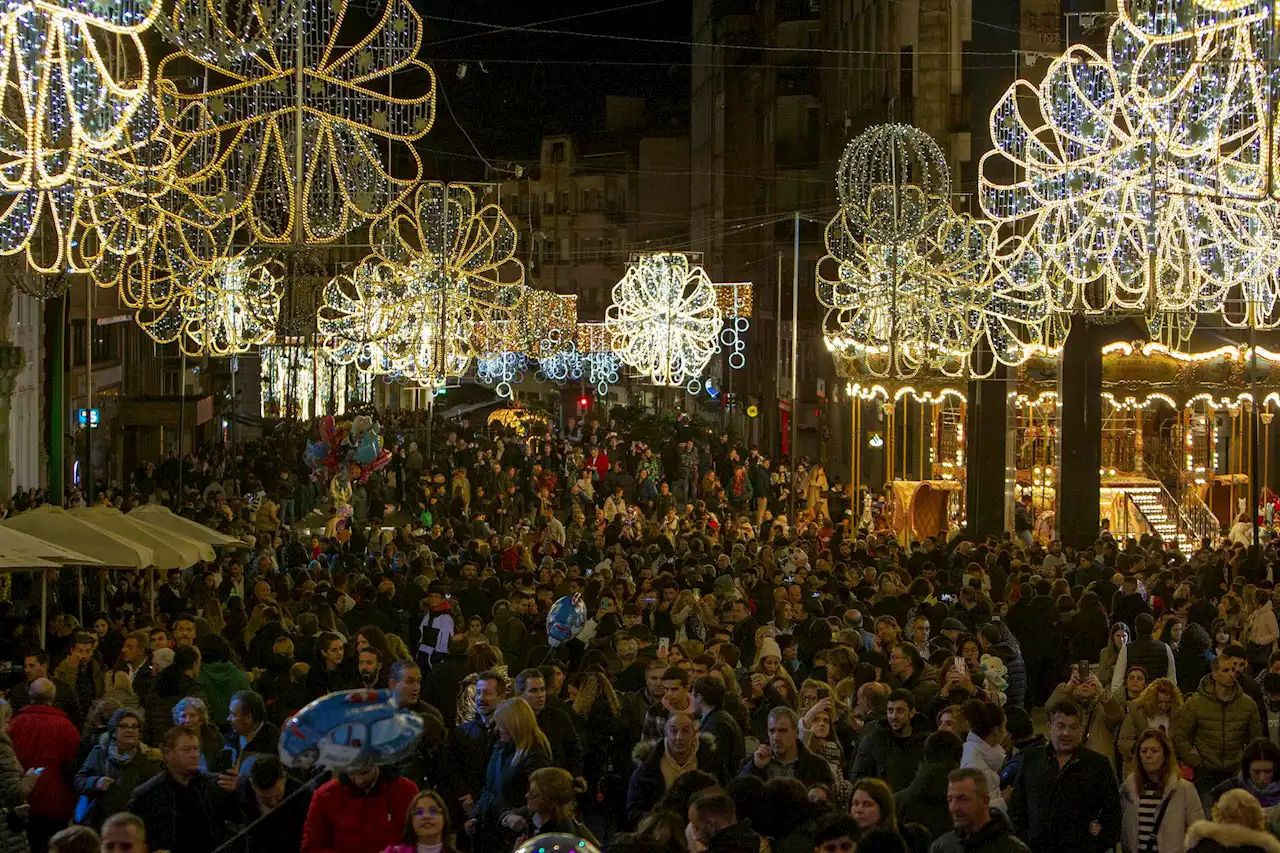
[{"x": 768, "y": 648}]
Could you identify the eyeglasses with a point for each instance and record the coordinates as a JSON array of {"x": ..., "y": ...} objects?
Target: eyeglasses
[
  {"x": 128, "y": 727},
  {"x": 427, "y": 811}
]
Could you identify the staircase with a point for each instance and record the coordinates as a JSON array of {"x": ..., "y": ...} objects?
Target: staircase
[{"x": 1185, "y": 522}]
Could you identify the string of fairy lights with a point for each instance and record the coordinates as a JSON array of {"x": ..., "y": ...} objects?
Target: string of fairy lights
[{"x": 1136, "y": 181}]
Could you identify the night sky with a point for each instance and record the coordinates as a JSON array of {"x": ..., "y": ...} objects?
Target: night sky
[{"x": 522, "y": 85}]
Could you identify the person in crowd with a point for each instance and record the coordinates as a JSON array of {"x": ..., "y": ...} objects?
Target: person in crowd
[
  {"x": 15, "y": 787},
  {"x": 566, "y": 748},
  {"x": 1147, "y": 651},
  {"x": 124, "y": 832},
  {"x": 183, "y": 809},
  {"x": 1215, "y": 725},
  {"x": 925, "y": 799},
  {"x": 1239, "y": 826},
  {"x": 550, "y": 807},
  {"x": 1257, "y": 774},
  {"x": 714, "y": 826},
  {"x": 251, "y": 732},
  {"x": 192, "y": 715},
  {"x": 175, "y": 682},
  {"x": 520, "y": 749},
  {"x": 75, "y": 839},
  {"x": 785, "y": 756},
  {"x": 982, "y": 746},
  {"x": 358, "y": 811},
  {"x": 1065, "y": 796},
  {"x": 709, "y": 695},
  {"x": 1156, "y": 708},
  {"x": 44, "y": 738},
  {"x": 1157, "y": 804},
  {"x": 874, "y": 809},
  {"x": 427, "y": 826},
  {"x": 890, "y": 749},
  {"x": 660, "y": 763},
  {"x": 114, "y": 768},
  {"x": 271, "y": 806},
  {"x": 976, "y": 828}
]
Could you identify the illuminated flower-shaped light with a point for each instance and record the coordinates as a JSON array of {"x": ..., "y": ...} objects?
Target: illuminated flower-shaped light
[
  {"x": 306, "y": 151},
  {"x": 664, "y": 319},
  {"x": 65, "y": 103},
  {"x": 233, "y": 308},
  {"x": 893, "y": 183},
  {"x": 1138, "y": 177},
  {"x": 366, "y": 317},
  {"x": 225, "y": 31}
]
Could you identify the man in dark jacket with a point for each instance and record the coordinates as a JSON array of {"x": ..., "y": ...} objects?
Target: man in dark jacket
[
  {"x": 1065, "y": 798},
  {"x": 473, "y": 740},
  {"x": 708, "y": 704},
  {"x": 714, "y": 820},
  {"x": 991, "y": 638},
  {"x": 251, "y": 732},
  {"x": 266, "y": 792},
  {"x": 785, "y": 757},
  {"x": 977, "y": 828},
  {"x": 892, "y": 749},
  {"x": 184, "y": 810},
  {"x": 425, "y": 766},
  {"x": 440, "y": 686},
  {"x": 683, "y": 747},
  {"x": 924, "y": 801},
  {"x": 566, "y": 748}
]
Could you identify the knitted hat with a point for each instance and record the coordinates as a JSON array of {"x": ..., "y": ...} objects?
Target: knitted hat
[{"x": 768, "y": 648}]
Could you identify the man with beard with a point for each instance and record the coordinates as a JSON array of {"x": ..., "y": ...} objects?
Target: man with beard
[
  {"x": 369, "y": 665},
  {"x": 891, "y": 749}
]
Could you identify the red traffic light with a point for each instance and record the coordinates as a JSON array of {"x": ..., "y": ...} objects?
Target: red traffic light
[{"x": 583, "y": 402}]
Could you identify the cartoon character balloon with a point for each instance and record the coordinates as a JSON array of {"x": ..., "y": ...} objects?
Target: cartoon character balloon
[
  {"x": 353, "y": 448},
  {"x": 565, "y": 620},
  {"x": 348, "y": 730}
]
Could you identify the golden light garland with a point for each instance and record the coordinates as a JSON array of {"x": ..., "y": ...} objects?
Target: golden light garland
[
  {"x": 306, "y": 150},
  {"x": 64, "y": 108}
]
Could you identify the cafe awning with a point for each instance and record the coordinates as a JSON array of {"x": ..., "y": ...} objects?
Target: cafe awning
[{"x": 56, "y": 524}]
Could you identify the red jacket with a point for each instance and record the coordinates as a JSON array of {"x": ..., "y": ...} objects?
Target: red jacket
[
  {"x": 44, "y": 736},
  {"x": 343, "y": 820}
]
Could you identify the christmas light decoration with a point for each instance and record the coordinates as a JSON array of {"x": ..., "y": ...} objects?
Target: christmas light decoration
[
  {"x": 1142, "y": 176},
  {"x": 736, "y": 302},
  {"x": 225, "y": 31},
  {"x": 911, "y": 286},
  {"x": 664, "y": 320},
  {"x": 233, "y": 307},
  {"x": 305, "y": 124},
  {"x": 299, "y": 382},
  {"x": 366, "y": 316},
  {"x": 501, "y": 370},
  {"x": 67, "y": 101}
]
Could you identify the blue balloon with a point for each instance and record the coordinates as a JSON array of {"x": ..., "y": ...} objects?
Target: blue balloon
[
  {"x": 348, "y": 730},
  {"x": 368, "y": 449},
  {"x": 565, "y": 620}
]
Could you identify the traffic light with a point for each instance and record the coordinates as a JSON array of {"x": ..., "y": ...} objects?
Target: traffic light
[{"x": 583, "y": 402}]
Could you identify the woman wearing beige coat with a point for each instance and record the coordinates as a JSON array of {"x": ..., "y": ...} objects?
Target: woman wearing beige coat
[{"x": 1156, "y": 784}]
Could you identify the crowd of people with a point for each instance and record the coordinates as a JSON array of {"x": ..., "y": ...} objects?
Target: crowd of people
[{"x": 745, "y": 681}]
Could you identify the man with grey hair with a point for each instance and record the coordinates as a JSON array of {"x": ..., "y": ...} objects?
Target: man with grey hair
[
  {"x": 977, "y": 828},
  {"x": 785, "y": 756}
]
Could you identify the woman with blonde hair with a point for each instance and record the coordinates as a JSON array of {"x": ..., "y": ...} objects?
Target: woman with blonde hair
[
  {"x": 521, "y": 748},
  {"x": 1239, "y": 824},
  {"x": 1157, "y": 804},
  {"x": 550, "y": 806},
  {"x": 1154, "y": 708}
]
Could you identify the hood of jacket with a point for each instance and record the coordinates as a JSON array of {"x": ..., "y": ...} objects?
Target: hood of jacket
[
  {"x": 223, "y": 674},
  {"x": 1231, "y": 835},
  {"x": 645, "y": 748}
]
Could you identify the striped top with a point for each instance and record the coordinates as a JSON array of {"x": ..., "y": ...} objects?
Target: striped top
[{"x": 1148, "y": 807}]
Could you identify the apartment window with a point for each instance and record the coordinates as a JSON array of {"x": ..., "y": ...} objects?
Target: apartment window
[
  {"x": 564, "y": 201},
  {"x": 599, "y": 198},
  {"x": 557, "y": 152}
]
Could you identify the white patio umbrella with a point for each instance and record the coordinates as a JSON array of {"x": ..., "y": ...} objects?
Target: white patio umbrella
[
  {"x": 161, "y": 516},
  {"x": 110, "y": 549}
]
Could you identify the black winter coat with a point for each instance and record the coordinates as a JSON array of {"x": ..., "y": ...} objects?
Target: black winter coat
[
  {"x": 924, "y": 801},
  {"x": 506, "y": 781},
  {"x": 996, "y": 837},
  {"x": 1052, "y": 807},
  {"x": 886, "y": 756},
  {"x": 730, "y": 743},
  {"x": 810, "y": 769},
  {"x": 647, "y": 786},
  {"x": 155, "y": 801}
]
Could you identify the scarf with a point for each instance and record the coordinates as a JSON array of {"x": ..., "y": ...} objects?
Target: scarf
[
  {"x": 671, "y": 770},
  {"x": 1268, "y": 796},
  {"x": 121, "y": 758}
]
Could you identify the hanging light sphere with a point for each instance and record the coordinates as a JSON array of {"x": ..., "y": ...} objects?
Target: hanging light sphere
[{"x": 893, "y": 183}]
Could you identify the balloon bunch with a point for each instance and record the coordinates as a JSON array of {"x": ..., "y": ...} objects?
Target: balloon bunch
[{"x": 351, "y": 449}]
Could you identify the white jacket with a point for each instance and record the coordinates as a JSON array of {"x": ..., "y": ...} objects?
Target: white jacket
[{"x": 981, "y": 755}]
